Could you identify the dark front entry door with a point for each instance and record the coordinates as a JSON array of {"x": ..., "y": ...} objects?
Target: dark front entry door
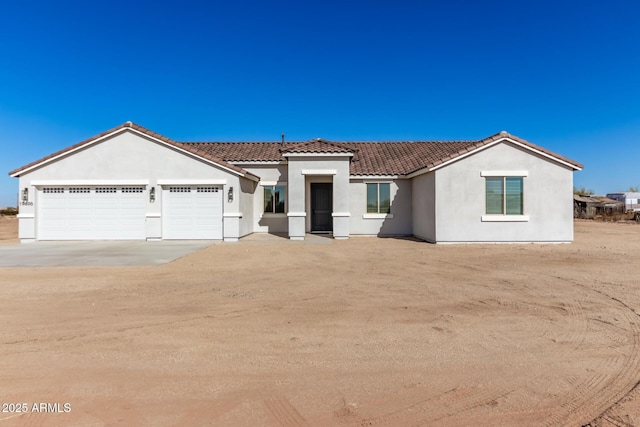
[{"x": 321, "y": 207}]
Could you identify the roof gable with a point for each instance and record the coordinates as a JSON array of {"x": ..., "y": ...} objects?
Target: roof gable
[
  {"x": 128, "y": 127},
  {"x": 506, "y": 136}
]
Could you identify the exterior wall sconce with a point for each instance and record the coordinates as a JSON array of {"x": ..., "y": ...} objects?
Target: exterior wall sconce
[
  {"x": 230, "y": 195},
  {"x": 152, "y": 194},
  {"x": 25, "y": 194}
]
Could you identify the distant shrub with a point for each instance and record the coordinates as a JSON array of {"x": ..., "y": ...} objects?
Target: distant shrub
[
  {"x": 8, "y": 211},
  {"x": 582, "y": 191}
]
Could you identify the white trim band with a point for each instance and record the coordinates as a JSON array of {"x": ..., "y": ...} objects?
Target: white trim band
[
  {"x": 192, "y": 182},
  {"x": 286, "y": 154},
  {"x": 505, "y": 218},
  {"x": 256, "y": 162},
  {"x": 297, "y": 214},
  {"x": 26, "y": 216},
  {"x": 153, "y": 215},
  {"x": 53, "y": 182},
  {"x": 272, "y": 183},
  {"x": 341, "y": 214},
  {"x": 376, "y": 216},
  {"x": 232, "y": 215},
  {"x": 319, "y": 172}
]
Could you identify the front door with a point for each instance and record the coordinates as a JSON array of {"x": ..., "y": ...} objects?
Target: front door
[{"x": 321, "y": 207}]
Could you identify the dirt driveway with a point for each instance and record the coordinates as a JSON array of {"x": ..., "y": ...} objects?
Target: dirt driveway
[{"x": 366, "y": 331}]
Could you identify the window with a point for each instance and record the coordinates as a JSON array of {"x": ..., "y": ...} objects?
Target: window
[
  {"x": 132, "y": 189},
  {"x": 179, "y": 189},
  {"x": 504, "y": 195},
  {"x": 79, "y": 190},
  {"x": 273, "y": 199},
  {"x": 105, "y": 189},
  {"x": 53, "y": 190},
  {"x": 207, "y": 189},
  {"x": 378, "y": 198}
]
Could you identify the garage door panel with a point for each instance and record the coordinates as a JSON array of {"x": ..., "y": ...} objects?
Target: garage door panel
[
  {"x": 91, "y": 213},
  {"x": 192, "y": 212}
]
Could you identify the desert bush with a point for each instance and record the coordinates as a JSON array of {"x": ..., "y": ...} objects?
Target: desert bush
[{"x": 9, "y": 211}]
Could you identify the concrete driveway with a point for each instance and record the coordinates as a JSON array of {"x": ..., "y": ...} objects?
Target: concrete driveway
[{"x": 98, "y": 253}]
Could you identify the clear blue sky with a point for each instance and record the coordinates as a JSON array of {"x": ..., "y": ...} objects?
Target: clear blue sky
[{"x": 561, "y": 74}]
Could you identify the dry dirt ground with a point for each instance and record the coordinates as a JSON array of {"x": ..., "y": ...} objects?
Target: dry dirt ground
[{"x": 366, "y": 331}]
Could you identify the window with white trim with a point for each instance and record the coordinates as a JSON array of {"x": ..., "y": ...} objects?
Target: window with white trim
[
  {"x": 378, "y": 197},
  {"x": 504, "y": 195},
  {"x": 274, "y": 199}
]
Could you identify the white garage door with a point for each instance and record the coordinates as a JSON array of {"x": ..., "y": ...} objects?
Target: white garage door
[
  {"x": 91, "y": 213},
  {"x": 192, "y": 212}
]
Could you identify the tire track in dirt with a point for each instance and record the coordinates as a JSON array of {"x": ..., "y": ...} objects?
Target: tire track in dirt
[
  {"x": 207, "y": 412},
  {"x": 578, "y": 335},
  {"x": 142, "y": 326},
  {"x": 14, "y": 417},
  {"x": 592, "y": 394},
  {"x": 598, "y": 393},
  {"x": 38, "y": 415},
  {"x": 422, "y": 407},
  {"x": 282, "y": 413},
  {"x": 419, "y": 407},
  {"x": 35, "y": 419}
]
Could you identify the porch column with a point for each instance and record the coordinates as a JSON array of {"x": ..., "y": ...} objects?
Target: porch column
[
  {"x": 296, "y": 213},
  {"x": 341, "y": 215}
]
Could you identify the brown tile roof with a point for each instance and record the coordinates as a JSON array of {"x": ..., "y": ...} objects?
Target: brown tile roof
[
  {"x": 238, "y": 151},
  {"x": 369, "y": 158},
  {"x": 402, "y": 157},
  {"x": 318, "y": 146}
]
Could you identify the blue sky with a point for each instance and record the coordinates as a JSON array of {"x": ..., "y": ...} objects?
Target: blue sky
[{"x": 562, "y": 74}]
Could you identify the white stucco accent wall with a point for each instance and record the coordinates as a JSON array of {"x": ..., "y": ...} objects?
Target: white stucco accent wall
[{"x": 460, "y": 198}]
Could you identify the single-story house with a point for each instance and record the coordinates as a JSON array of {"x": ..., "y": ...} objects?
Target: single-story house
[{"x": 132, "y": 183}]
